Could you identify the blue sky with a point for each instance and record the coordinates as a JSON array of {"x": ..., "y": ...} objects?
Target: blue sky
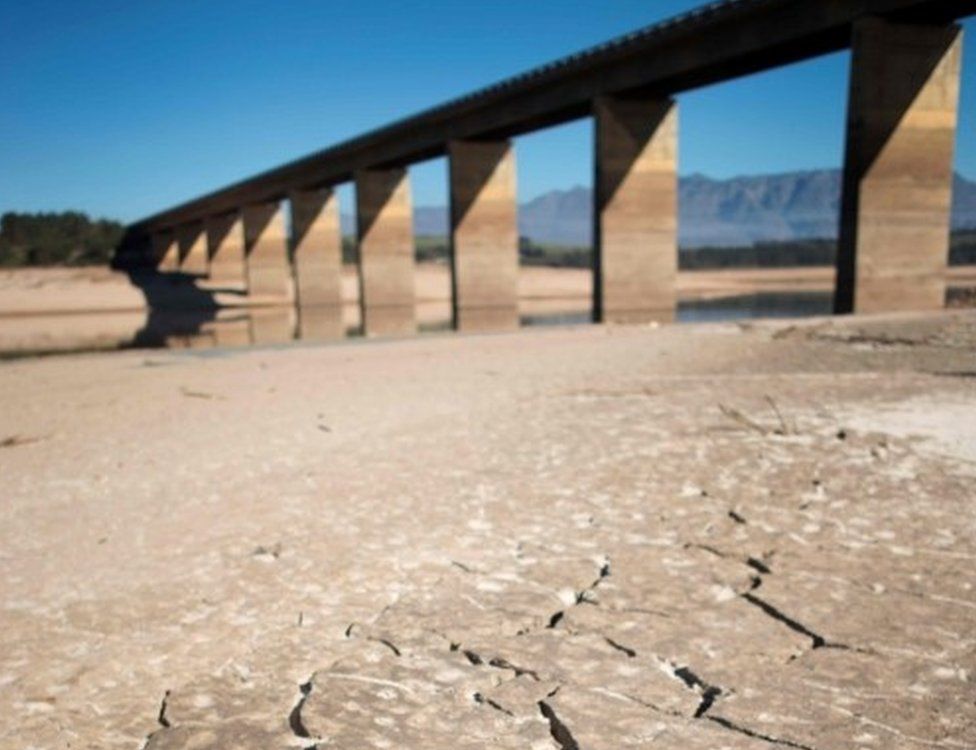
[{"x": 125, "y": 108}]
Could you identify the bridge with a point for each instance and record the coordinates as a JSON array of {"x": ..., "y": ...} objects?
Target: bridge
[{"x": 278, "y": 233}]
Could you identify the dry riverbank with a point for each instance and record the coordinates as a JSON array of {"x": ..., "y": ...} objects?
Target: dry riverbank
[
  {"x": 44, "y": 291},
  {"x": 705, "y": 536}
]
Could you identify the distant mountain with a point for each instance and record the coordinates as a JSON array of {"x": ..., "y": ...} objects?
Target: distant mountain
[{"x": 737, "y": 211}]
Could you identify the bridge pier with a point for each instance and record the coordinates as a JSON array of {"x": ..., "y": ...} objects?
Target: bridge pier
[
  {"x": 897, "y": 184},
  {"x": 636, "y": 210},
  {"x": 266, "y": 252},
  {"x": 483, "y": 235},
  {"x": 225, "y": 243},
  {"x": 387, "y": 294},
  {"x": 165, "y": 250},
  {"x": 193, "y": 248},
  {"x": 317, "y": 257}
]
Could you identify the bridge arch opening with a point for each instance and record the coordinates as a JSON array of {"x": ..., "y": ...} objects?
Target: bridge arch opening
[
  {"x": 555, "y": 224},
  {"x": 759, "y": 194},
  {"x": 351, "y": 319},
  {"x": 432, "y": 276},
  {"x": 961, "y": 290}
]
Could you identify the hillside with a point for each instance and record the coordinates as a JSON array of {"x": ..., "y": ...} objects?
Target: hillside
[{"x": 733, "y": 212}]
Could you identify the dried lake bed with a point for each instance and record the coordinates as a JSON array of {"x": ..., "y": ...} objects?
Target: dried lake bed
[{"x": 727, "y": 535}]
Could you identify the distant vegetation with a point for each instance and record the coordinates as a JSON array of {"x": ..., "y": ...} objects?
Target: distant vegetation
[
  {"x": 785, "y": 254},
  {"x": 57, "y": 239},
  {"x": 73, "y": 239},
  {"x": 760, "y": 255}
]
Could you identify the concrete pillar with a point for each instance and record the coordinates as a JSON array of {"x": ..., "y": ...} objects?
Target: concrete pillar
[
  {"x": 897, "y": 184},
  {"x": 386, "y": 264},
  {"x": 225, "y": 245},
  {"x": 193, "y": 248},
  {"x": 166, "y": 251},
  {"x": 269, "y": 276},
  {"x": 636, "y": 212},
  {"x": 317, "y": 254},
  {"x": 484, "y": 235}
]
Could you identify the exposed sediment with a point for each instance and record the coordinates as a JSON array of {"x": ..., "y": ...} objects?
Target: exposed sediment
[{"x": 693, "y": 536}]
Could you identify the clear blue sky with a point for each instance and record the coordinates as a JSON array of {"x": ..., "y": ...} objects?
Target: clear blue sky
[{"x": 125, "y": 108}]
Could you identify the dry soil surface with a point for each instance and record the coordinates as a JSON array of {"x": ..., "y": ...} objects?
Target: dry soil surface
[{"x": 716, "y": 536}]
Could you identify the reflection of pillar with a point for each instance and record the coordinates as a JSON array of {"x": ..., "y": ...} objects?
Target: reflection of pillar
[
  {"x": 317, "y": 253},
  {"x": 320, "y": 323},
  {"x": 894, "y": 233},
  {"x": 635, "y": 216},
  {"x": 386, "y": 273},
  {"x": 266, "y": 252},
  {"x": 272, "y": 325},
  {"x": 166, "y": 251},
  {"x": 225, "y": 243},
  {"x": 193, "y": 248},
  {"x": 232, "y": 331},
  {"x": 484, "y": 235}
]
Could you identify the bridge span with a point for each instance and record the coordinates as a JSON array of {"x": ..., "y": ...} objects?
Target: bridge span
[{"x": 278, "y": 233}]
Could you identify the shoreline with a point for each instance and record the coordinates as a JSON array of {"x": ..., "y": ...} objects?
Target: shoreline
[{"x": 67, "y": 310}]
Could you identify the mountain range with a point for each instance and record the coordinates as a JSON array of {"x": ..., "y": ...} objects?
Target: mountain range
[{"x": 733, "y": 212}]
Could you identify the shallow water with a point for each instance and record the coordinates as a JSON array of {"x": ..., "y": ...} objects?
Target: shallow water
[
  {"x": 211, "y": 328},
  {"x": 740, "y": 307}
]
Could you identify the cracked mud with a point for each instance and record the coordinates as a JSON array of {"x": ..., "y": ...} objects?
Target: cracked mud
[{"x": 699, "y": 537}]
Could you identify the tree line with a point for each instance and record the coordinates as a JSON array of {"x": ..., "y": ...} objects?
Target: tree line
[{"x": 69, "y": 238}]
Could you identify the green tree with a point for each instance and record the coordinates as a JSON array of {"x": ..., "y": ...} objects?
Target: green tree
[{"x": 69, "y": 238}]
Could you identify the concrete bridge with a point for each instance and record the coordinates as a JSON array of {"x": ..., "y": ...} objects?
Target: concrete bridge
[{"x": 278, "y": 232}]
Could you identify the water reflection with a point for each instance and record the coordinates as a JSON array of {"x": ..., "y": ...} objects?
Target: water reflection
[
  {"x": 761, "y": 305},
  {"x": 212, "y": 326},
  {"x": 738, "y": 307},
  {"x": 320, "y": 323}
]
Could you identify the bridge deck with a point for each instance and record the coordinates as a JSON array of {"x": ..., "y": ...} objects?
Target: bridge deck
[{"x": 717, "y": 42}]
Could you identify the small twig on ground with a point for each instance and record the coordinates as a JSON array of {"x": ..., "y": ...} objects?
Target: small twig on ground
[
  {"x": 738, "y": 416},
  {"x": 14, "y": 440},
  {"x": 198, "y": 394},
  {"x": 784, "y": 429},
  {"x": 273, "y": 552}
]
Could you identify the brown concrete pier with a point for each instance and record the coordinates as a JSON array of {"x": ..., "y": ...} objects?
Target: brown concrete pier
[
  {"x": 483, "y": 235},
  {"x": 165, "y": 251},
  {"x": 317, "y": 260},
  {"x": 192, "y": 241},
  {"x": 266, "y": 252},
  {"x": 385, "y": 230},
  {"x": 636, "y": 211},
  {"x": 898, "y": 169},
  {"x": 225, "y": 244}
]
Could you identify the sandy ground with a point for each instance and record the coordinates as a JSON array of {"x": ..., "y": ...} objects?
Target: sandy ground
[
  {"x": 703, "y": 536},
  {"x": 44, "y": 291}
]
